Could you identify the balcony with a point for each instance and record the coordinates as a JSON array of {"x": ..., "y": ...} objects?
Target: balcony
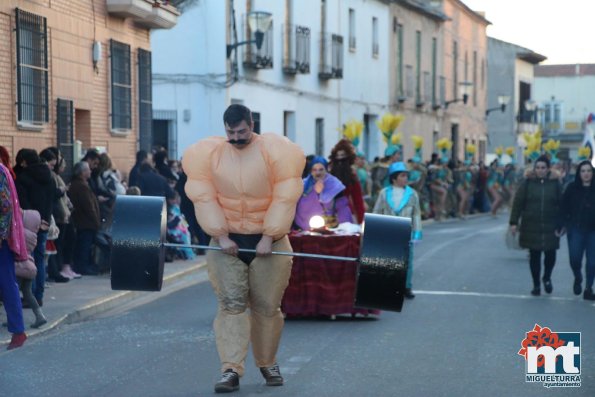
[
  {"x": 153, "y": 14},
  {"x": 296, "y": 51},
  {"x": 137, "y": 9},
  {"x": 331, "y": 57}
]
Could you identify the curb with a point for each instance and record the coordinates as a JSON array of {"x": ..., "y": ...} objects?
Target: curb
[{"x": 108, "y": 302}]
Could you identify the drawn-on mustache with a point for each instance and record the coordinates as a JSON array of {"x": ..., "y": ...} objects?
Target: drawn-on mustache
[{"x": 238, "y": 141}]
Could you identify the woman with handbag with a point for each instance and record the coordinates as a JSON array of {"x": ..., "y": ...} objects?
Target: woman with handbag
[
  {"x": 12, "y": 246},
  {"x": 536, "y": 207}
]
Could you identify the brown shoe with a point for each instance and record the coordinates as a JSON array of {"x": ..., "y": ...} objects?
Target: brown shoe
[
  {"x": 230, "y": 381},
  {"x": 272, "y": 375}
]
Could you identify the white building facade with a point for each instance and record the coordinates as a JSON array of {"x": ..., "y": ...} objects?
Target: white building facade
[{"x": 323, "y": 63}]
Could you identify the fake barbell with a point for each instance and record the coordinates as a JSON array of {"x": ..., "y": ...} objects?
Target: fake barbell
[{"x": 138, "y": 252}]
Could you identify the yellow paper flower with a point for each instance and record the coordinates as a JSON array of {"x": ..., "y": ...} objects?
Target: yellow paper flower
[
  {"x": 444, "y": 143},
  {"x": 396, "y": 139},
  {"x": 551, "y": 145},
  {"x": 499, "y": 151},
  {"x": 584, "y": 152},
  {"x": 418, "y": 141},
  {"x": 388, "y": 124},
  {"x": 353, "y": 130},
  {"x": 471, "y": 148},
  {"x": 510, "y": 151}
]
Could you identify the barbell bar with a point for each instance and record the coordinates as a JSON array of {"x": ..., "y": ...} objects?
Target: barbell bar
[
  {"x": 137, "y": 253},
  {"x": 284, "y": 253}
]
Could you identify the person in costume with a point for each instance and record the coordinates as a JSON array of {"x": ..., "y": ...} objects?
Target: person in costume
[
  {"x": 245, "y": 188},
  {"x": 441, "y": 179},
  {"x": 341, "y": 163},
  {"x": 323, "y": 195},
  {"x": 464, "y": 181},
  {"x": 494, "y": 183},
  {"x": 399, "y": 199},
  {"x": 418, "y": 174},
  {"x": 393, "y": 152}
]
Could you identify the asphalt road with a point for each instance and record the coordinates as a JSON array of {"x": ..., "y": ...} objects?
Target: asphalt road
[{"x": 459, "y": 336}]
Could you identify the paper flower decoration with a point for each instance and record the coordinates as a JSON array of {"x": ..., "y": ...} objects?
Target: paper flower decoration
[
  {"x": 352, "y": 130},
  {"x": 584, "y": 153},
  {"x": 388, "y": 124},
  {"x": 418, "y": 141},
  {"x": 552, "y": 147},
  {"x": 471, "y": 149},
  {"x": 444, "y": 144},
  {"x": 509, "y": 151},
  {"x": 533, "y": 142},
  {"x": 396, "y": 139},
  {"x": 499, "y": 151}
]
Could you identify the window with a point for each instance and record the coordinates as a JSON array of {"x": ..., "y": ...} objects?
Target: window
[
  {"x": 319, "y": 137},
  {"x": 442, "y": 90},
  {"x": 145, "y": 100},
  {"x": 434, "y": 69},
  {"x": 418, "y": 95},
  {"x": 296, "y": 54},
  {"x": 455, "y": 71},
  {"x": 351, "y": 29},
  {"x": 32, "y": 68},
  {"x": 410, "y": 87},
  {"x": 121, "y": 86},
  {"x": 474, "y": 78},
  {"x": 65, "y": 136},
  {"x": 375, "y": 45},
  {"x": 331, "y": 53},
  {"x": 400, "y": 59}
]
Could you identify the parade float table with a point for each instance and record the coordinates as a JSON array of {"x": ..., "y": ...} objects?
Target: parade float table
[{"x": 322, "y": 287}]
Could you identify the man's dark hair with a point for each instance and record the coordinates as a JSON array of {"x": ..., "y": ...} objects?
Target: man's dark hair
[
  {"x": 48, "y": 155},
  {"x": 92, "y": 154},
  {"x": 235, "y": 114},
  {"x": 543, "y": 159},
  {"x": 141, "y": 155}
]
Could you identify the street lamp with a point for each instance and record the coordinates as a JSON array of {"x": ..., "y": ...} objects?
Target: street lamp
[
  {"x": 502, "y": 101},
  {"x": 259, "y": 22},
  {"x": 464, "y": 90}
]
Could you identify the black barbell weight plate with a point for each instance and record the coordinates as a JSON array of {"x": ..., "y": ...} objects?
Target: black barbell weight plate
[{"x": 137, "y": 252}]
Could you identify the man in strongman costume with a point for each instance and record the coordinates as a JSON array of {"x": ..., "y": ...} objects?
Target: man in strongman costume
[{"x": 245, "y": 189}]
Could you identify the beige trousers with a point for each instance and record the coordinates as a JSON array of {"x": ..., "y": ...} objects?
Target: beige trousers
[{"x": 259, "y": 287}]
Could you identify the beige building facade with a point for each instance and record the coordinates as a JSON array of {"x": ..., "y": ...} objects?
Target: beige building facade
[
  {"x": 78, "y": 71},
  {"x": 465, "y": 66},
  {"x": 416, "y": 70},
  {"x": 438, "y": 50}
]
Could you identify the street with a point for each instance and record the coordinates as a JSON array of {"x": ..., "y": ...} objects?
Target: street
[{"x": 458, "y": 337}]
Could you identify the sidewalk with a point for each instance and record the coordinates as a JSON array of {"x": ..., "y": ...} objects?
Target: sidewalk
[{"x": 80, "y": 298}]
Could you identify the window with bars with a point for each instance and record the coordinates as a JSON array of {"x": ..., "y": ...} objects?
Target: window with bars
[
  {"x": 32, "y": 68},
  {"x": 65, "y": 133},
  {"x": 319, "y": 137},
  {"x": 121, "y": 86},
  {"x": 145, "y": 100}
]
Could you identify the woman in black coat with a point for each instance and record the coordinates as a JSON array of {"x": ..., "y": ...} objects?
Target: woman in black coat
[
  {"x": 578, "y": 215},
  {"x": 536, "y": 205}
]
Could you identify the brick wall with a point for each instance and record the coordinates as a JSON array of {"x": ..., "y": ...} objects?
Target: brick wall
[{"x": 73, "y": 26}]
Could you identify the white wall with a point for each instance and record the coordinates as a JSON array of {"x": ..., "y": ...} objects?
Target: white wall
[{"x": 183, "y": 56}]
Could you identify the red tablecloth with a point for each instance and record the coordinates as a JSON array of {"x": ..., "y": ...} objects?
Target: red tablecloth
[{"x": 322, "y": 286}]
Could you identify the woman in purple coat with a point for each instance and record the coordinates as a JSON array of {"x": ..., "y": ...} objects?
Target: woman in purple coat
[{"x": 323, "y": 195}]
